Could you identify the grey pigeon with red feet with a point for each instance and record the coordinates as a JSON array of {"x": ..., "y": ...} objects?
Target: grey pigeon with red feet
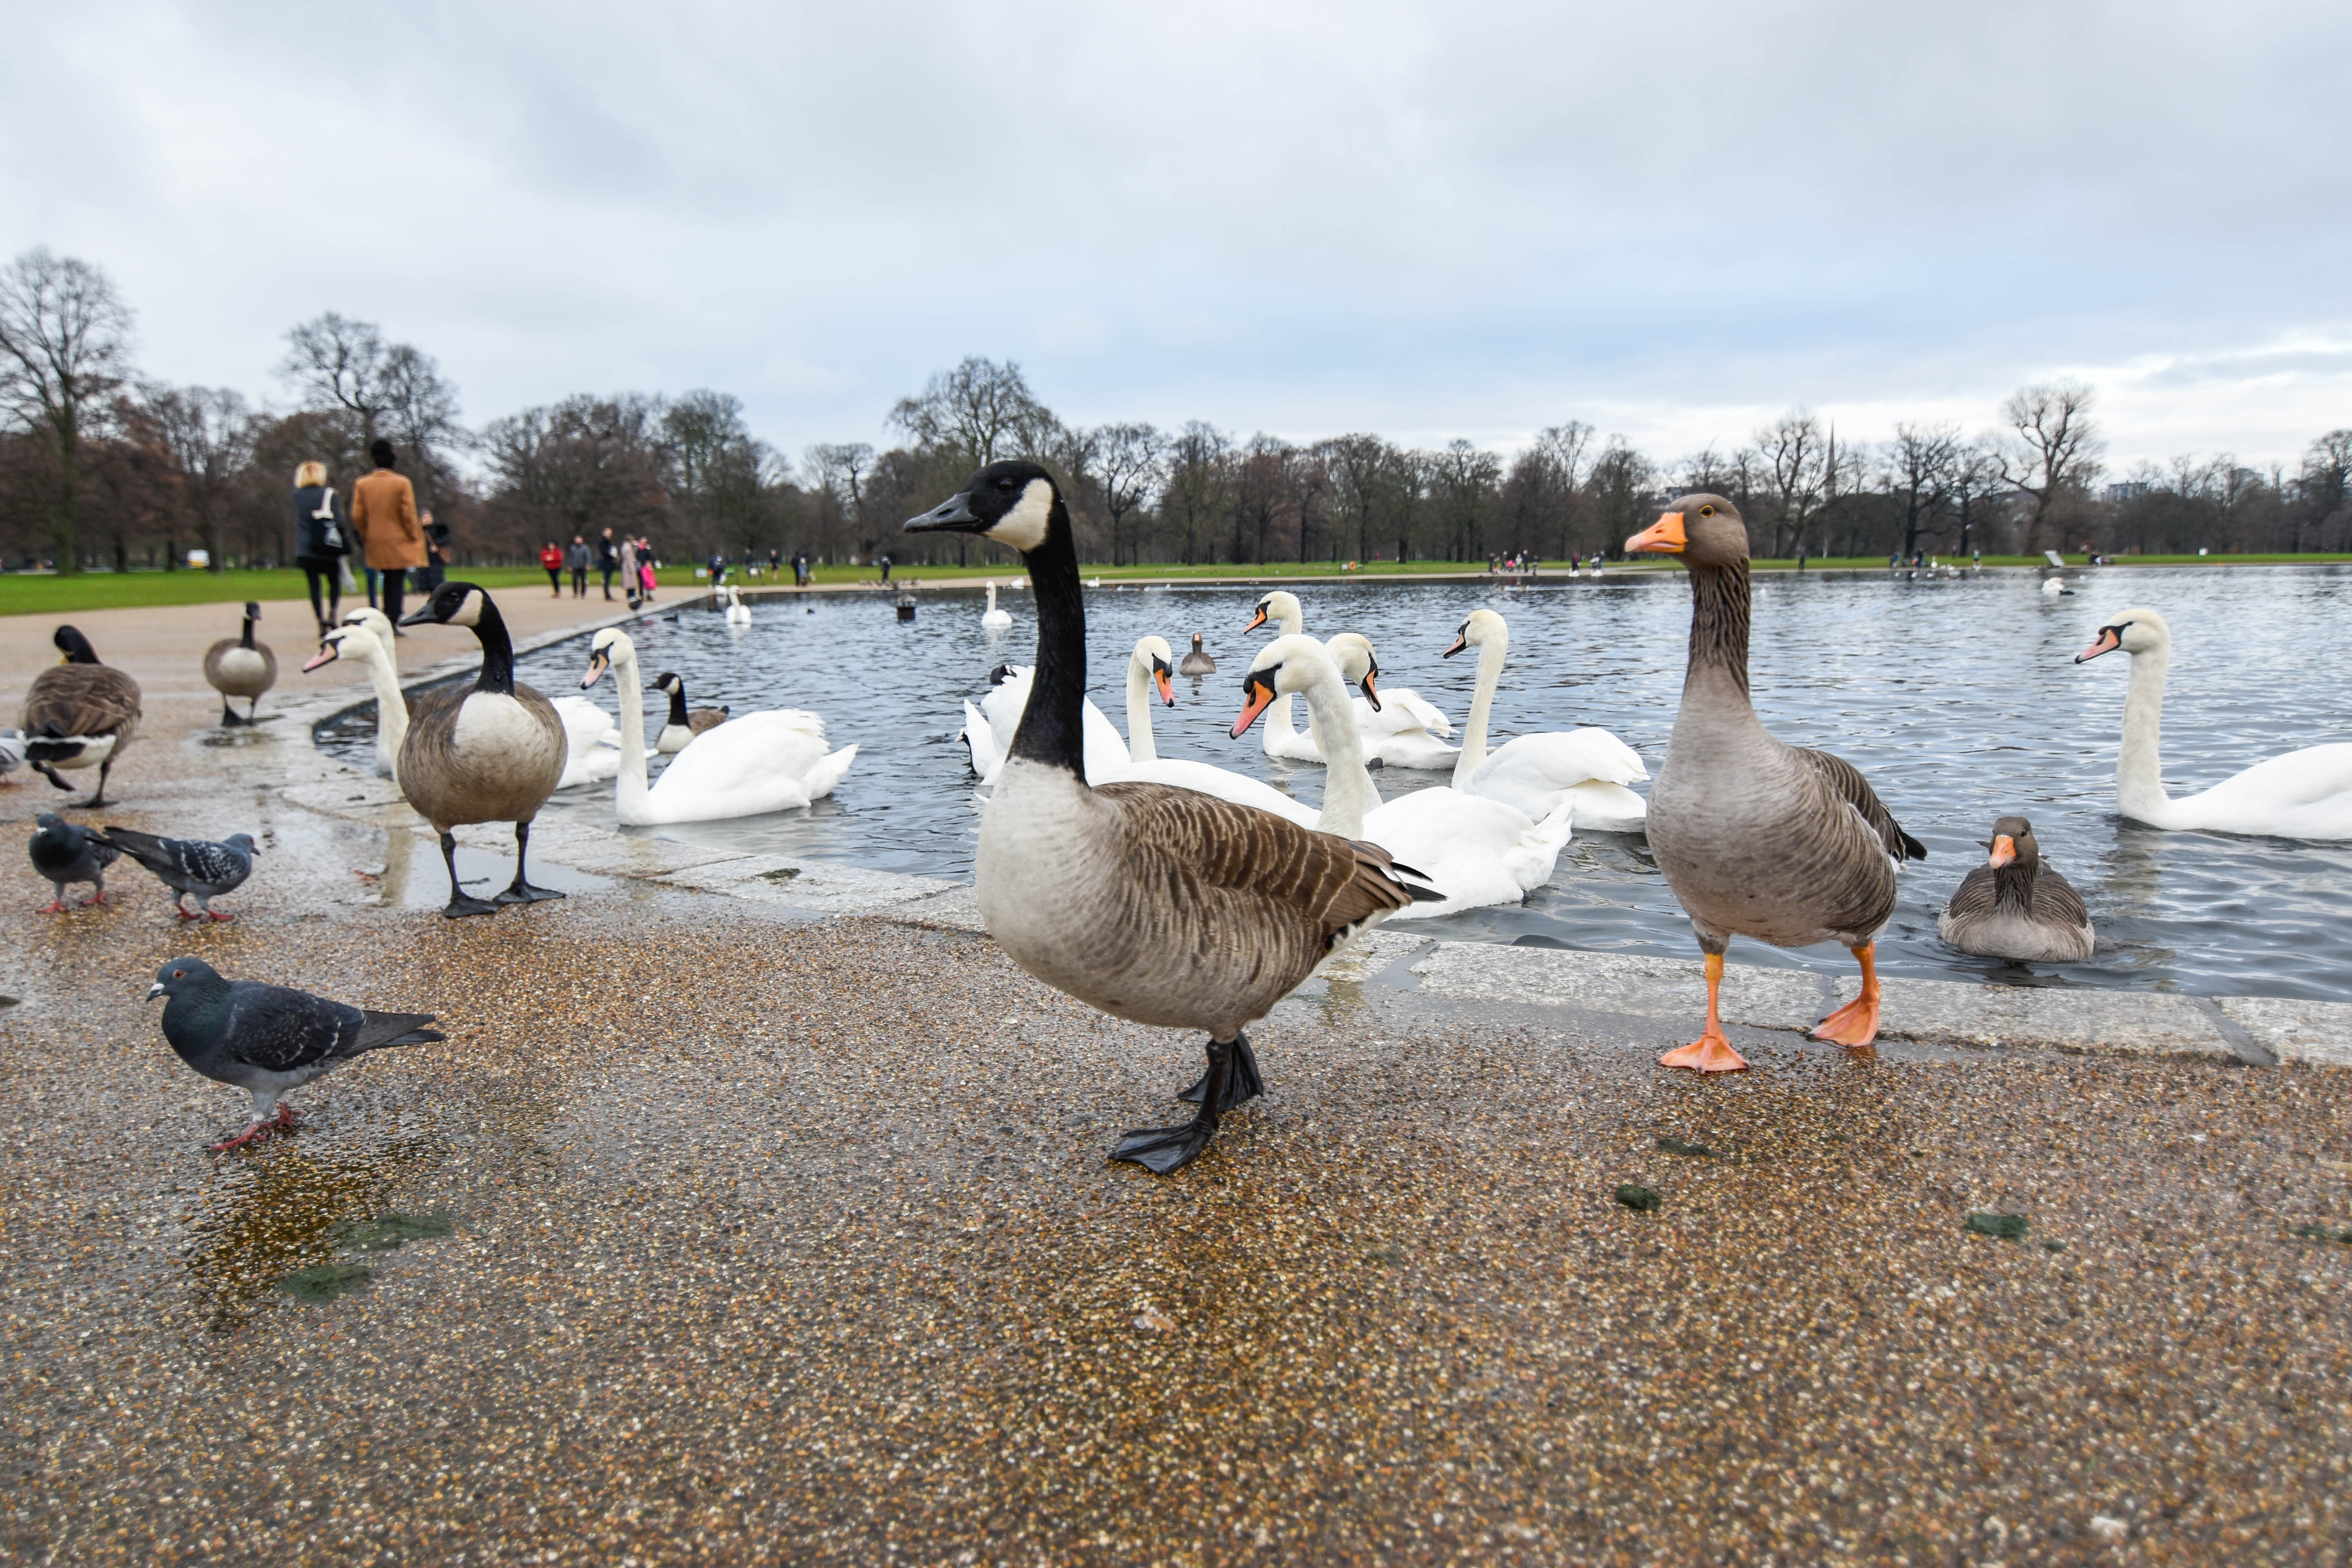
[
  {"x": 67, "y": 854},
  {"x": 191, "y": 867},
  {"x": 269, "y": 1040}
]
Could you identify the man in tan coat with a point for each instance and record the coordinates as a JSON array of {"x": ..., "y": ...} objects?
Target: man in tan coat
[{"x": 384, "y": 515}]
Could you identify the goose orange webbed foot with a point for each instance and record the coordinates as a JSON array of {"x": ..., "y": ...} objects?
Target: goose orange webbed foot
[
  {"x": 1855, "y": 1023},
  {"x": 1711, "y": 1052}
]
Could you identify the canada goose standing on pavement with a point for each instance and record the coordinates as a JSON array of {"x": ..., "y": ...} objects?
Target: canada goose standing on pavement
[
  {"x": 240, "y": 667},
  {"x": 494, "y": 755},
  {"x": 1155, "y": 904},
  {"x": 77, "y": 712},
  {"x": 1759, "y": 838}
]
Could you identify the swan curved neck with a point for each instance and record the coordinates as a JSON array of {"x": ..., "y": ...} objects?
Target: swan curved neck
[
  {"x": 1482, "y": 704},
  {"x": 1052, "y": 729},
  {"x": 390, "y": 705},
  {"x": 1348, "y": 791},
  {"x": 1139, "y": 746},
  {"x": 2139, "y": 771},
  {"x": 629, "y": 784}
]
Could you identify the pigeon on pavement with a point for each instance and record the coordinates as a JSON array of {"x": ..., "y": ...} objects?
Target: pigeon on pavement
[
  {"x": 64, "y": 853},
  {"x": 12, "y": 750},
  {"x": 190, "y": 866},
  {"x": 269, "y": 1040}
]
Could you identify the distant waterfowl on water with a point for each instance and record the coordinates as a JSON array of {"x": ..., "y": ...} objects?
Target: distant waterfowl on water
[
  {"x": 739, "y": 613},
  {"x": 764, "y": 761},
  {"x": 492, "y": 754},
  {"x": 240, "y": 667},
  {"x": 1759, "y": 838},
  {"x": 1154, "y": 904},
  {"x": 1147, "y": 674},
  {"x": 992, "y": 618},
  {"x": 684, "y": 723},
  {"x": 1197, "y": 662},
  {"x": 2016, "y": 906},
  {"x": 78, "y": 713},
  {"x": 2302, "y": 795}
]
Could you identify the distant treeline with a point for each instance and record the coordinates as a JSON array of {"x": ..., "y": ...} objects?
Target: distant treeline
[{"x": 100, "y": 466}]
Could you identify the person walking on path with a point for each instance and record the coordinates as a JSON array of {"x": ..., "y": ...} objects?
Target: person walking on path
[
  {"x": 608, "y": 559},
  {"x": 580, "y": 558},
  {"x": 436, "y": 570},
  {"x": 551, "y": 561},
  {"x": 321, "y": 541},
  {"x": 384, "y": 516},
  {"x": 628, "y": 558},
  {"x": 645, "y": 567}
]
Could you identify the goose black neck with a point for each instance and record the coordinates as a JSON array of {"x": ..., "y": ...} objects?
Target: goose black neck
[
  {"x": 247, "y": 641},
  {"x": 498, "y": 650},
  {"x": 1052, "y": 725},
  {"x": 677, "y": 703},
  {"x": 1719, "y": 615}
]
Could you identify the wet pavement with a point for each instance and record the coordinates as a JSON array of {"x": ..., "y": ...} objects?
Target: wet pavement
[{"x": 713, "y": 1234}]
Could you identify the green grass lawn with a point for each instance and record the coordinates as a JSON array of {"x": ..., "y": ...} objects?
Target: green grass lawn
[{"x": 27, "y": 594}]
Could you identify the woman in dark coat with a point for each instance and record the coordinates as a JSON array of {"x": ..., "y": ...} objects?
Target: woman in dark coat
[{"x": 321, "y": 540}]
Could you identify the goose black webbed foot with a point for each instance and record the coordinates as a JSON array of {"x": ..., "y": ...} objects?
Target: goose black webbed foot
[
  {"x": 461, "y": 902},
  {"x": 520, "y": 891},
  {"x": 1242, "y": 1081},
  {"x": 1163, "y": 1151}
]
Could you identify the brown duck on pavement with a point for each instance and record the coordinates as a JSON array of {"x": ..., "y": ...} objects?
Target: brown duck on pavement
[
  {"x": 1759, "y": 838},
  {"x": 2015, "y": 907},
  {"x": 79, "y": 712}
]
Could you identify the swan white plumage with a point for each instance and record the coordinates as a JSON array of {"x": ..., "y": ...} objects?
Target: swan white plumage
[
  {"x": 591, "y": 743},
  {"x": 1473, "y": 851},
  {"x": 759, "y": 762},
  {"x": 1147, "y": 673},
  {"x": 992, "y": 618},
  {"x": 357, "y": 638},
  {"x": 2302, "y": 794},
  {"x": 2052, "y": 587},
  {"x": 739, "y": 613},
  {"x": 1280, "y": 737},
  {"x": 1587, "y": 769},
  {"x": 1000, "y": 714},
  {"x": 1402, "y": 730}
]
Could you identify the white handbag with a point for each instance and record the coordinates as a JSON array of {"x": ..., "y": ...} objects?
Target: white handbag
[{"x": 330, "y": 536}]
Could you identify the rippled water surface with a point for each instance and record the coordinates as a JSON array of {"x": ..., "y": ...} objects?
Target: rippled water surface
[{"x": 1957, "y": 697}]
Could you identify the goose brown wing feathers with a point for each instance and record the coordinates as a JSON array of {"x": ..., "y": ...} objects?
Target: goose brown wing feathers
[
  {"x": 87, "y": 699},
  {"x": 2054, "y": 898},
  {"x": 1845, "y": 781},
  {"x": 1334, "y": 883}
]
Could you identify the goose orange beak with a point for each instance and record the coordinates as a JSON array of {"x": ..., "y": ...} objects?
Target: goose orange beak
[
  {"x": 1257, "y": 698},
  {"x": 1663, "y": 537},
  {"x": 2107, "y": 641},
  {"x": 2004, "y": 850}
]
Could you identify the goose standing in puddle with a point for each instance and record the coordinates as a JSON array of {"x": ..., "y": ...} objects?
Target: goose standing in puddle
[
  {"x": 493, "y": 755},
  {"x": 1155, "y": 904}
]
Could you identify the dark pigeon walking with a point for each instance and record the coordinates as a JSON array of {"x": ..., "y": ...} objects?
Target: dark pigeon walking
[
  {"x": 65, "y": 853},
  {"x": 269, "y": 1040},
  {"x": 191, "y": 866}
]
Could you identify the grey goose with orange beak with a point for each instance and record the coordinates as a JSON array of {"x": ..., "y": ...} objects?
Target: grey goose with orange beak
[
  {"x": 493, "y": 755},
  {"x": 2016, "y": 906},
  {"x": 1156, "y": 904},
  {"x": 1756, "y": 837}
]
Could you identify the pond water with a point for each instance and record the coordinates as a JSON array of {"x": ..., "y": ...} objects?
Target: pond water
[{"x": 1957, "y": 697}]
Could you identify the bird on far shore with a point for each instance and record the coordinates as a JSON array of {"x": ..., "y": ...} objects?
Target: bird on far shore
[
  {"x": 65, "y": 853},
  {"x": 269, "y": 1040},
  {"x": 191, "y": 866},
  {"x": 240, "y": 667},
  {"x": 79, "y": 712}
]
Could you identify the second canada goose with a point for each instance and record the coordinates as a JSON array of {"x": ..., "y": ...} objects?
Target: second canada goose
[
  {"x": 684, "y": 723},
  {"x": 240, "y": 667},
  {"x": 1759, "y": 838},
  {"x": 1154, "y": 904},
  {"x": 1197, "y": 662},
  {"x": 2015, "y": 907},
  {"x": 79, "y": 712},
  {"x": 494, "y": 754}
]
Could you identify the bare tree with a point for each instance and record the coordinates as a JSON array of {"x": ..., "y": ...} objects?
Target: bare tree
[
  {"x": 1971, "y": 487},
  {"x": 420, "y": 413},
  {"x": 1919, "y": 470},
  {"x": 337, "y": 363},
  {"x": 65, "y": 347},
  {"x": 1464, "y": 480},
  {"x": 2324, "y": 489},
  {"x": 1199, "y": 458},
  {"x": 1793, "y": 451},
  {"x": 1129, "y": 462},
  {"x": 2052, "y": 454},
  {"x": 1359, "y": 467},
  {"x": 209, "y": 433},
  {"x": 840, "y": 470},
  {"x": 979, "y": 411}
]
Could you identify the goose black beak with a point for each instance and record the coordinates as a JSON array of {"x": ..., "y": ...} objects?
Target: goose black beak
[
  {"x": 1160, "y": 673},
  {"x": 154, "y": 991},
  {"x": 1663, "y": 537},
  {"x": 2004, "y": 850},
  {"x": 1258, "y": 696},
  {"x": 953, "y": 515},
  {"x": 417, "y": 617},
  {"x": 2107, "y": 641}
]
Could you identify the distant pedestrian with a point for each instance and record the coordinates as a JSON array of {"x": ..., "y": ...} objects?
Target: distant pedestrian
[
  {"x": 628, "y": 557},
  {"x": 886, "y": 568},
  {"x": 551, "y": 561},
  {"x": 384, "y": 516},
  {"x": 775, "y": 560},
  {"x": 800, "y": 572},
  {"x": 718, "y": 568},
  {"x": 608, "y": 560},
  {"x": 580, "y": 557},
  {"x": 321, "y": 541},
  {"x": 436, "y": 571},
  {"x": 645, "y": 566}
]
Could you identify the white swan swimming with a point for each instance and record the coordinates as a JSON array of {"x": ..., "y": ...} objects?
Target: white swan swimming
[
  {"x": 591, "y": 743},
  {"x": 771, "y": 761},
  {"x": 2302, "y": 794},
  {"x": 992, "y": 618},
  {"x": 1586, "y": 769},
  {"x": 1148, "y": 672},
  {"x": 1474, "y": 850},
  {"x": 987, "y": 728},
  {"x": 357, "y": 638},
  {"x": 1280, "y": 737},
  {"x": 1403, "y": 731},
  {"x": 739, "y": 613}
]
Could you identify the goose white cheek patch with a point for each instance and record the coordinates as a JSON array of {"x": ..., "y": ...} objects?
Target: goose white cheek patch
[
  {"x": 469, "y": 613},
  {"x": 1023, "y": 527}
]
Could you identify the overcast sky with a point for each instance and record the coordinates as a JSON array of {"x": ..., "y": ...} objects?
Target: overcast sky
[{"x": 1429, "y": 220}]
